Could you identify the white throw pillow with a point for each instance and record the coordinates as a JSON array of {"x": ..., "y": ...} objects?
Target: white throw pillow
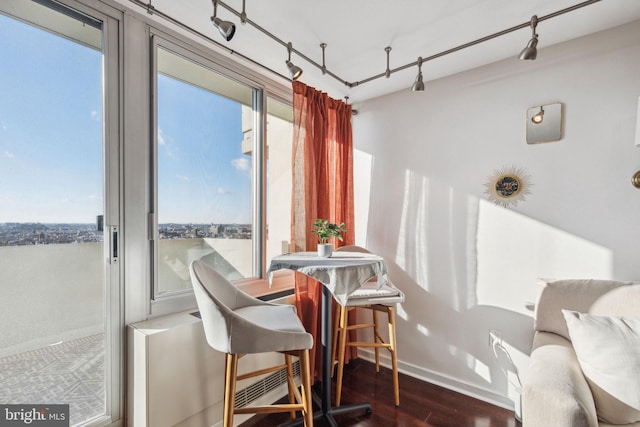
[{"x": 608, "y": 349}]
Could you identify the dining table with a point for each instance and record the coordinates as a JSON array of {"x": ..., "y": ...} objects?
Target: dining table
[{"x": 341, "y": 274}]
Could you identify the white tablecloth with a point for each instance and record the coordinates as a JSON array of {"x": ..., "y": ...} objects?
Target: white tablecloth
[{"x": 343, "y": 273}]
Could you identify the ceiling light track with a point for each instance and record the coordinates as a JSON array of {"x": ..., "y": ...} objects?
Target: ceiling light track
[
  {"x": 322, "y": 67},
  {"x": 477, "y": 41},
  {"x": 153, "y": 11},
  {"x": 282, "y": 42}
]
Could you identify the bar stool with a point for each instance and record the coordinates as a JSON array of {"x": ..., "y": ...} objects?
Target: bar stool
[
  {"x": 235, "y": 323},
  {"x": 377, "y": 300}
]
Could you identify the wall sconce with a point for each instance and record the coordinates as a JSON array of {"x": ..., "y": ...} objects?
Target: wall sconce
[
  {"x": 635, "y": 179},
  {"x": 638, "y": 125},
  {"x": 544, "y": 123}
]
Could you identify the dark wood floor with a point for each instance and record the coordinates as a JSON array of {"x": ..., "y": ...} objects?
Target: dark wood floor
[{"x": 421, "y": 404}]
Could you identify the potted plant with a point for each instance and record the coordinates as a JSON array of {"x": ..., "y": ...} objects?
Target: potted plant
[{"x": 325, "y": 230}]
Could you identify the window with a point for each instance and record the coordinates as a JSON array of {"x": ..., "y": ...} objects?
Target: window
[
  {"x": 208, "y": 171},
  {"x": 279, "y": 140}
]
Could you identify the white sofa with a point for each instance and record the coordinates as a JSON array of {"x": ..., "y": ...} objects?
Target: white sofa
[{"x": 556, "y": 392}]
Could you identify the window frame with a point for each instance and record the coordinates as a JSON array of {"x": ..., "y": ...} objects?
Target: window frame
[
  {"x": 112, "y": 23},
  {"x": 264, "y": 88}
]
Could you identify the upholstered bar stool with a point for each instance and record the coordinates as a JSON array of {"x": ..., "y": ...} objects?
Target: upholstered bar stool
[
  {"x": 377, "y": 300},
  {"x": 235, "y": 323}
]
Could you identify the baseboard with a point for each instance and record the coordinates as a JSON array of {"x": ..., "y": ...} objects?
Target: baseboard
[{"x": 441, "y": 380}]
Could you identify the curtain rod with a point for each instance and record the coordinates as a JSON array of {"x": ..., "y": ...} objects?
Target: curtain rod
[{"x": 152, "y": 10}]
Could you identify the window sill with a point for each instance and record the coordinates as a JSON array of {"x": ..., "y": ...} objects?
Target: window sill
[{"x": 282, "y": 284}]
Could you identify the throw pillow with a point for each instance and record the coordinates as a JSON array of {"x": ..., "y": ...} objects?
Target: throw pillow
[{"x": 608, "y": 350}]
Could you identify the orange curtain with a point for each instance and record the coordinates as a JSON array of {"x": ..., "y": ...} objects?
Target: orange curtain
[{"x": 322, "y": 188}]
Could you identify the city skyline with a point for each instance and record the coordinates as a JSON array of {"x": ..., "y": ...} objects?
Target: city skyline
[{"x": 35, "y": 233}]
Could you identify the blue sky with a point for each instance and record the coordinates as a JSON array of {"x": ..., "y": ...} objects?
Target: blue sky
[
  {"x": 202, "y": 170},
  {"x": 50, "y": 127},
  {"x": 51, "y": 138}
]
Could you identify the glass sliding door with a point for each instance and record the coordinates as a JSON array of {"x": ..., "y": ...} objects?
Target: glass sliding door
[{"x": 58, "y": 211}]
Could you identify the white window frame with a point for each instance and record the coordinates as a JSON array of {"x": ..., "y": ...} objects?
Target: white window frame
[
  {"x": 112, "y": 138},
  {"x": 180, "y": 300}
]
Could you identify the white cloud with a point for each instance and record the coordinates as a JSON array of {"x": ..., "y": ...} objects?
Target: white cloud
[
  {"x": 221, "y": 190},
  {"x": 9, "y": 154},
  {"x": 161, "y": 140},
  {"x": 183, "y": 178},
  {"x": 241, "y": 164},
  {"x": 95, "y": 115}
]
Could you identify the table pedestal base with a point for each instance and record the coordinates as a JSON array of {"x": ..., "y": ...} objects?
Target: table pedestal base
[{"x": 327, "y": 412}]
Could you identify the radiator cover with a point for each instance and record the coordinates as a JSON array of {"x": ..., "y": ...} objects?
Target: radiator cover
[{"x": 176, "y": 379}]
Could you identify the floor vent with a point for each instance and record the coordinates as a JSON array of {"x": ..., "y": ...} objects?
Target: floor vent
[{"x": 258, "y": 389}]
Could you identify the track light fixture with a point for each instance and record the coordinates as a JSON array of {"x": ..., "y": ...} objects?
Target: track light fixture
[
  {"x": 387, "y": 73},
  {"x": 294, "y": 71},
  {"x": 538, "y": 117},
  {"x": 226, "y": 28},
  {"x": 243, "y": 15},
  {"x": 418, "y": 85},
  {"x": 530, "y": 52},
  {"x": 324, "y": 67}
]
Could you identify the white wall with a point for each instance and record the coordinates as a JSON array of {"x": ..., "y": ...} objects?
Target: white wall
[{"x": 466, "y": 265}]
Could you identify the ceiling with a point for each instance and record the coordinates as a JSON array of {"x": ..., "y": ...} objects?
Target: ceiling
[{"x": 357, "y": 31}]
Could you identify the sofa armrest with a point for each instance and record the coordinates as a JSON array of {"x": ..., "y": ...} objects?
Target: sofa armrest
[
  {"x": 555, "y": 392},
  {"x": 576, "y": 295}
]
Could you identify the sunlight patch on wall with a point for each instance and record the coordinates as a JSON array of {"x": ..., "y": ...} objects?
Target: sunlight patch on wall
[
  {"x": 411, "y": 252},
  {"x": 514, "y": 250},
  {"x": 455, "y": 280},
  {"x": 362, "y": 170},
  {"x": 472, "y": 363},
  {"x": 401, "y": 313},
  {"x": 481, "y": 369},
  {"x": 423, "y": 330}
]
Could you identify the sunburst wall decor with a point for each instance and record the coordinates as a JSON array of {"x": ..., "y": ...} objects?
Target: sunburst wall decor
[{"x": 508, "y": 186}]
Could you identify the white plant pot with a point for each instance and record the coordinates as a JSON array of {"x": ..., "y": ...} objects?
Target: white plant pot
[{"x": 325, "y": 250}]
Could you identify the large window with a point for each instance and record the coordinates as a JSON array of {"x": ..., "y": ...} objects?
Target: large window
[
  {"x": 209, "y": 169},
  {"x": 223, "y": 184}
]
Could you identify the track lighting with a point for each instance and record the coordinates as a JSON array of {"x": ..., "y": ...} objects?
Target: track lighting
[
  {"x": 226, "y": 28},
  {"x": 243, "y": 15},
  {"x": 294, "y": 71},
  {"x": 530, "y": 52},
  {"x": 538, "y": 117},
  {"x": 418, "y": 85},
  {"x": 324, "y": 67},
  {"x": 387, "y": 73}
]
